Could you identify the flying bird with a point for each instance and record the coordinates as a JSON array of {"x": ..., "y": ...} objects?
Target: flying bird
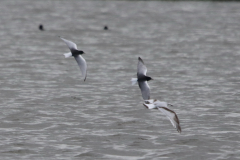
[
  {"x": 163, "y": 107},
  {"x": 77, "y": 55},
  {"x": 142, "y": 79},
  {"x": 153, "y": 103}
]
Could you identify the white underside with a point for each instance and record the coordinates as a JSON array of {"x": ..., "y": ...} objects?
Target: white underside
[{"x": 150, "y": 106}]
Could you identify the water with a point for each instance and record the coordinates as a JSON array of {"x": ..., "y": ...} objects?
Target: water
[{"x": 191, "y": 49}]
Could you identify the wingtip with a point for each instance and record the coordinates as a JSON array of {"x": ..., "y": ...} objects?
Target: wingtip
[
  {"x": 85, "y": 79},
  {"x": 179, "y": 129},
  {"x": 145, "y": 105},
  {"x": 140, "y": 59},
  {"x": 60, "y": 38}
]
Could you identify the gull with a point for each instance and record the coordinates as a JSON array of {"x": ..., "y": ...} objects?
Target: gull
[
  {"x": 163, "y": 107},
  {"x": 142, "y": 79},
  {"x": 77, "y": 55}
]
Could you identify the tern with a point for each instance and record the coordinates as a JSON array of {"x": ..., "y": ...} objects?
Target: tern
[
  {"x": 77, "y": 55},
  {"x": 153, "y": 103},
  {"x": 142, "y": 79}
]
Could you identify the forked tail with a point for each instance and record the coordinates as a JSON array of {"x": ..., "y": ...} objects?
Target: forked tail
[
  {"x": 67, "y": 54},
  {"x": 134, "y": 81}
]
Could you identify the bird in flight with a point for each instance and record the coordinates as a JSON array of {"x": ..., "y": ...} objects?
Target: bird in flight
[
  {"x": 77, "y": 55},
  {"x": 153, "y": 103}
]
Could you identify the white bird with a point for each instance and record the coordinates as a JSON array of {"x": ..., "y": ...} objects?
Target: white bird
[
  {"x": 163, "y": 107},
  {"x": 142, "y": 79},
  {"x": 77, "y": 55}
]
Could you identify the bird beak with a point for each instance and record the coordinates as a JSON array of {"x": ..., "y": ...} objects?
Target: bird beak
[{"x": 170, "y": 104}]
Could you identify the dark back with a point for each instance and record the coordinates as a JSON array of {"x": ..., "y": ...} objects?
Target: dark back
[{"x": 76, "y": 52}]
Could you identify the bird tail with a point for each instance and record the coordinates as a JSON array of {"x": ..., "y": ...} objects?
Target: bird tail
[
  {"x": 134, "y": 81},
  {"x": 67, "y": 54}
]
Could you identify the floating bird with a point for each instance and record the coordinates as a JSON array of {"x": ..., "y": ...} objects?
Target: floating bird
[
  {"x": 163, "y": 107},
  {"x": 153, "y": 103},
  {"x": 41, "y": 27},
  {"x": 142, "y": 79},
  {"x": 77, "y": 55},
  {"x": 105, "y": 28}
]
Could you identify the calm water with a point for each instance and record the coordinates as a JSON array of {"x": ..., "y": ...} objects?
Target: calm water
[{"x": 191, "y": 49}]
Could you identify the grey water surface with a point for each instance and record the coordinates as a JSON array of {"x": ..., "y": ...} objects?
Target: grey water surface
[{"x": 191, "y": 50}]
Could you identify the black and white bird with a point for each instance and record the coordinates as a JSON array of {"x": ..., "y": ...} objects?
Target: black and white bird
[
  {"x": 153, "y": 103},
  {"x": 142, "y": 79},
  {"x": 77, "y": 55}
]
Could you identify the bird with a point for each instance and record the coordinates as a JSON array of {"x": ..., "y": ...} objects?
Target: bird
[
  {"x": 142, "y": 79},
  {"x": 77, "y": 55},
  {"x": 105, "y": 27},
  {"x": 163, "y": 107},
  {"x": 41, "y": 27},
  {"x": 153, "y": 103}
]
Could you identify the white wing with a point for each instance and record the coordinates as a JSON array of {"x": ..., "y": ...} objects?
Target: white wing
[
  {"x": 172, "y": 116},
  {"x": 70, "y": 44},
  {"x": 142, "y": 69},
  {"x": 82, "y": 64},
  {"x": 143, "y": 85}
]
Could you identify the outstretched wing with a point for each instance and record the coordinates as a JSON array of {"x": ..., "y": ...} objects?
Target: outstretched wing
[
  {"x": 172, "y": 116},
  {"x": 82, "y": 64},
  {"x": 142, "y": 69},
  {"x": 70, "y": 44},
  {"x": 143, "y": 85}
]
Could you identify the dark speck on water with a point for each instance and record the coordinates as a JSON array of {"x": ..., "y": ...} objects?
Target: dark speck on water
[
  {"x": 105, "y": 28},
  {"x": 41, "y": 27}
]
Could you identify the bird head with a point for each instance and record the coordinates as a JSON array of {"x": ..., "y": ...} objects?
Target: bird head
[
  {"x": 170, "y": 104},
  {"x": 81, "y": 52},
  {"x": 148, "y": 78}
]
